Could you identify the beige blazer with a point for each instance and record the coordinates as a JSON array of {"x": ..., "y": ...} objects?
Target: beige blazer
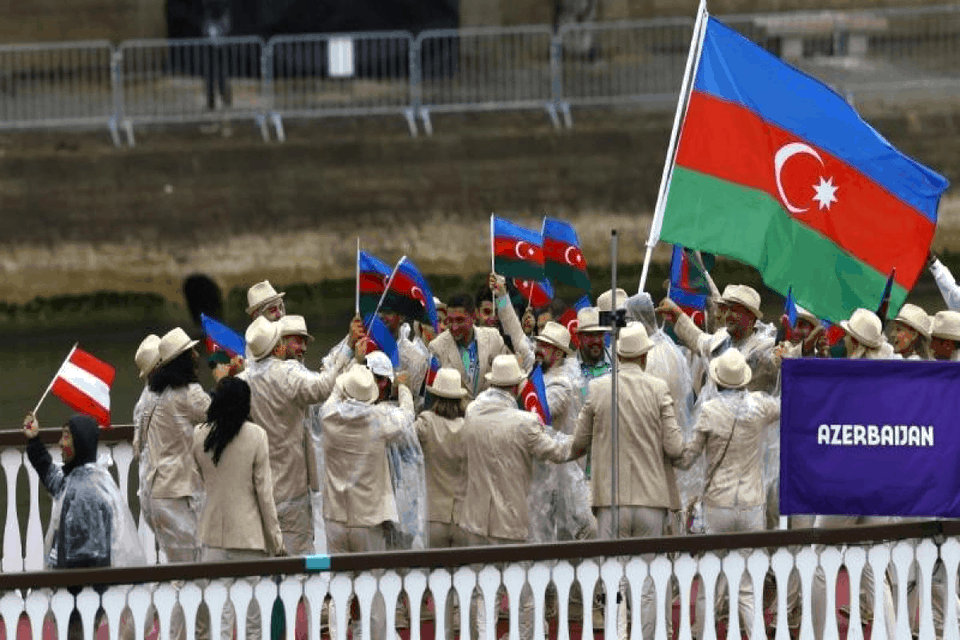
[
  {"x": 501, "y": 442},
  {"x": 168, "y": 431},
  {"x": 280, "y": 393},
  {"x": 239, "y": 512},
  {"x": 357, "y": 491},
  {"x": 446, "y": 465},
  {"x": 648, "y": 431},
  {"x": 744, "y": 415},
  {"x": 489, "y": 346}
]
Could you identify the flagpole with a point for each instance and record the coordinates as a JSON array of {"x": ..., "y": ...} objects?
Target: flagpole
[
  {"x": 356, "y": 297},
  {"x": 50, "y": 386},
  {"x": 385, "y": 289},
  {"x": 693, "y": 62},
  {"x": 493, "y": 251},
  {"x": 714, "y": 291}
]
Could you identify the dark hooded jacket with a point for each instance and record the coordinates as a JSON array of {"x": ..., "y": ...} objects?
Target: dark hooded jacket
[{"x": 85, "y": 524}]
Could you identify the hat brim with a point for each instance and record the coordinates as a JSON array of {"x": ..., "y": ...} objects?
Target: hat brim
[
  {"x": 297, "y": 333},
  {"x": 265, "y": 302},
  {"x": 503, "y": 383},
  {"x": 594, "y": 329},
  {"x": 544, "y": 340},
  {"x": 460, "y": 393},
  {"x": 634, "y": 354},
  {"x": 714, "y": 375},
  {"x": 180, "y": 351},
  {"x": 845, "y": 325},
  {"x": 906, "y": 321},
  {"x": 752, "y": 309}
]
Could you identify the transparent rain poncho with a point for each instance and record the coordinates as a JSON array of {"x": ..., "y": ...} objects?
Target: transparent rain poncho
[
  {"x": 559, "y": 496},
  {"x": 670, "y": 363},
  {"x": 90, "y": 524},
  {"x": 352, "y": 434}
]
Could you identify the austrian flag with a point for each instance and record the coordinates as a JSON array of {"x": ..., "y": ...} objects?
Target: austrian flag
[{"x": 83, "y": 383}]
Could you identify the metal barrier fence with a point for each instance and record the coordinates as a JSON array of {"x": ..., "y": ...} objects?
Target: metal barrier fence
[
  {"x": 485, "y": 69},
  {"x": 195, "y": 80},
  {"x": 899, "y": 55},
  {"x": 67, "y": 84},
  {"x": 340, "y": 75}
]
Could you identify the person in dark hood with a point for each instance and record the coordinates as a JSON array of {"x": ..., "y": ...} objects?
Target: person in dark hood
[{"x": 90, "y": 525}]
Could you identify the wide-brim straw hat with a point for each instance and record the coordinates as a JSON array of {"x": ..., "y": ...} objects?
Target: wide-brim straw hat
[
  {"x": 865, "y": 327},
  {"x": 744, "y": 295},
  {"x": 505, "y": 371},
  {"x": 605, "y": 300},
  {"x": 915, "y": 318},
  {"x": 262, "y": 336},
  {"x": 359, "y": 384},
  {"x": 447, "y": 384},
  {"x": 379, "y": 364},
  {"x": 806, "y": 315},
  {"x": 260, "y": 294},
  {"x": 148, "y": 355},
  {"x": 588, "y": 321},
  {"x": 172, "y": 344},
  {"x": 294, "y": 326},
  {"x": 633, "y": 341},
  {"x": 730, "y": 370},
  {"x": 946, "y": 325},
  {"x": 556, "y": 335}
]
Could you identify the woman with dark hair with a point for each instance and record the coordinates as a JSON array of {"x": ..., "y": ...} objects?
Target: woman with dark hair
[
  {"x": 170, "y": 492},
  {"x": 239, "y": 520}
]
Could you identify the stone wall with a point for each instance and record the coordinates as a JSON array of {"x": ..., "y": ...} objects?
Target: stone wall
[{"x": 82, "y": 216}]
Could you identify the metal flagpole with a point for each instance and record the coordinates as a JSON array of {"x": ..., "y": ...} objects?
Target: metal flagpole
[
  {"x": 693, "y": 62},
  {"x": 614, "y": 417},
  {"x": 356, "y": 298},
  {"x": 50, "y": 386},
  {"x": 493, "y": 250},
  {"x": 385, "y": 289}
]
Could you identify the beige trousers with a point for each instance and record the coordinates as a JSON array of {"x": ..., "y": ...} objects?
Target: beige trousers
[
  {"x": 477, "y": 621},
  {"x": 344, "y": 539},
  {"x": 229, "y": 615},
  {"x": 296, "y": 524}
]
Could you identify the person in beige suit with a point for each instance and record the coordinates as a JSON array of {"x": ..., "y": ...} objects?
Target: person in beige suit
[
  {"x": 465, "y": 347},
  {"x": 647, "y": 432},
  {"x": 502, "y": 442},
  {"x": 731, "y": 429},
  {"x": 359, "y": 503},
  {"x": 239, "y": 520},
  {"x": 281, "y": 391}
]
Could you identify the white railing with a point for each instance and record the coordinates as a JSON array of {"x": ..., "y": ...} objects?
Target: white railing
[
  {"x": 494, "y": 577},
  {"x": 907, "y": 54}
]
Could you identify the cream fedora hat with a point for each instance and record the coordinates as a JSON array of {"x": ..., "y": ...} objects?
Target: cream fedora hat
[
  {"x": 730, "y": 370},
  {"x": 605, "y": 300},
  {"x": 742, "y": 294},
  {"x": 633, "y": 341},
  {"x": 173, "y": 343},
  {"x": 588, "y": 321},
  {"x": 359, "y": 384},
  {"x": 505, "y": 371},
  {"x": 148, "y": 355},
  {"x": 915, "y": 318},
  {"x": 946, "y": 324},
  {"x": 447, "y": 384},
  {"x": 865, "y": 327},
  {"x": 806, "y": 315},
  {"x": 261, "y": 294},
  {"x": 262, "y": 336},
  {"x": 556, "y": 335},
  {"x": 294, "y": 326}
]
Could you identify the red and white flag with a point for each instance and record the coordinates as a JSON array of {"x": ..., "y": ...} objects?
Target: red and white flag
[{"x": 83, "y": 383}]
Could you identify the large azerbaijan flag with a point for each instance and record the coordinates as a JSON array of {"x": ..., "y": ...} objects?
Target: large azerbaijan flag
[{"x": 775, "y": 169}]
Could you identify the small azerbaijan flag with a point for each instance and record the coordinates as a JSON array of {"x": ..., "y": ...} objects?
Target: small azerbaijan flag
[
  {"x": 563, "y": 259},
  {"x": 569, "y": 320},
  {"x": 410, "y": 295},
  {"x": 372, "y": 275},
  {"x": 775, "y": 169},
  {"x": 517, "y": 252},
  {"x": 533, "y": 395},
  {"x": 538, "y": 294}
]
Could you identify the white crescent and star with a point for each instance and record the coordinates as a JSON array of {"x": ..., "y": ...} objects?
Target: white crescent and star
[
  {"x": 528, "y": 252},
  {"x": 824, "y": 192},
  {"x": 576, "y": 256},
  {"x": 530, "y": 401},
  {"x": 417, "y": 294}
]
